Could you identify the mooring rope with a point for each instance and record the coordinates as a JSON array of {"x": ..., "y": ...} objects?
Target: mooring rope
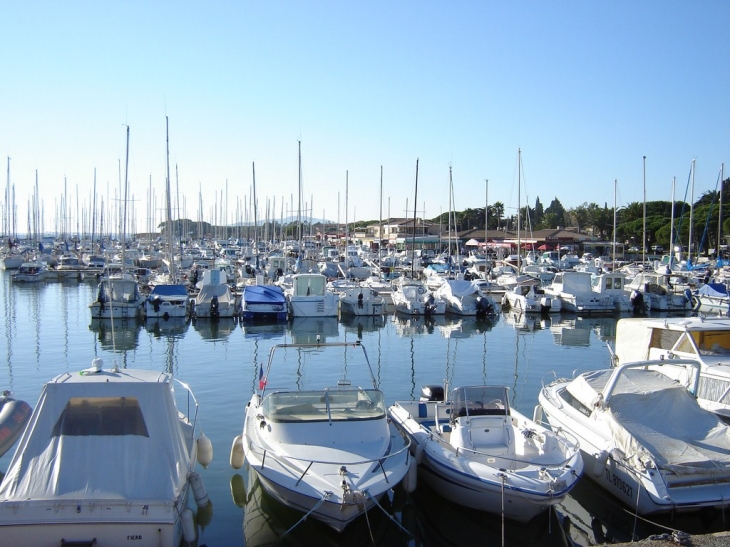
[{"x": 320, "y": 502}]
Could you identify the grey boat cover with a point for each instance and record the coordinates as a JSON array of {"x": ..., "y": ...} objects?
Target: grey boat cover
[
  {"x": 105, "y": 436},
  {"x": 655, "y": 419}
]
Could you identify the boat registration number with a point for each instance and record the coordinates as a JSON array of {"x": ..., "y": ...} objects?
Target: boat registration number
[{"x": 620, "y": 484}]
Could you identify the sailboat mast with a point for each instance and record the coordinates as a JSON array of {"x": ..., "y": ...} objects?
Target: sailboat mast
[
  {"x": 415, "y": 208},
  {"x": 613, "y": 258},
  {"x": 168, "y": 205},
  {"x": 643, "y": 234},
  {"x": 691, "y": 211},
  {"x": 519, "y": 183},
  {"x": 380, "y": 227},
  {"x": 486, "y": 213},
  {"x": 719, "y": 216},
  {"x": 124, "y": 210},
  {"x": 671, "y": 230}
]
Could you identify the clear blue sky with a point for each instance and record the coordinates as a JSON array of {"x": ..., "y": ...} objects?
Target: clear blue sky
[{"x": 584, "y": 89}]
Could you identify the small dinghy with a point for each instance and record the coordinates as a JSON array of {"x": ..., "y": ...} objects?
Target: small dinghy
[{"x": 14, "y": 414}]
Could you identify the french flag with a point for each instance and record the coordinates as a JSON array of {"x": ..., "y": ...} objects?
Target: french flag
[{"x": 262, "y": 378}]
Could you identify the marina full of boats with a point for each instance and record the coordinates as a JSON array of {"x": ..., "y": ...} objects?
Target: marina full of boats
[
  {"x": 210, "y": 280},
  {"x": 322, "y": 440}
]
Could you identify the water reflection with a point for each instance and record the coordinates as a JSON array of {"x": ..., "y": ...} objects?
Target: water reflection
[
  {"x": 214, "y": 330},
  {"x": 263, "y": 331},
  {"x": 311, "y": 330},
  {"x": 596, "y": 518},
  {"x": 423, "y": 519},
  {"x": 117, "y": 335},
  {"x": 407, "y": 326},
  {"x": 160, "y": 327},
  {"x": 527, "y": 321},
  {"x": 465, "y": 327},
  {"x": 360, "y": 324},
  {"x": 435, "y": 518}
]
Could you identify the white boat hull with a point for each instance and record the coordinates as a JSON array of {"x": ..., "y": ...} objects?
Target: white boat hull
[
  {"x": 645, "y": 490},
  {"x": 499, "y": 480},
  {"x": 113, "y": 523}
]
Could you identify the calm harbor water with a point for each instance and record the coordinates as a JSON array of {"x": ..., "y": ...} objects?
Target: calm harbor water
[{"x": 47, "y": 330}]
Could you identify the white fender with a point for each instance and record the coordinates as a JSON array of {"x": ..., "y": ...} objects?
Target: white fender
[
  {"x": 238, "y": 454},
  {"x": 418, "y": 454},
  {"x": 600, "y": 464},
  {"x": 205, "y": 451},
  {"x": 201, "y": 496},
  {"x": 188, "y": 526},
  {"x": 411, "y": 477}
]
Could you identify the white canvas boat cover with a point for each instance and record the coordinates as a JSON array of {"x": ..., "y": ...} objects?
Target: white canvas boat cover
[
  {"x": 207, "y": 292},
  {"x": 461, "y": 287},
  {"x": 654, "y": 418},
  {"x": 105, "y": 435}
]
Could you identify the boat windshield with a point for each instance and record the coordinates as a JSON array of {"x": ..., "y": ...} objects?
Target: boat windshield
[
  {"x": 479, "y": 401},
  {"x": 324, "y": 405}
]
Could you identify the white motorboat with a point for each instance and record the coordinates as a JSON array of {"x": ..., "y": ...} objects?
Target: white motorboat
[
  {"x": 462, "y": 297},
  {"x": 477, "y": 451},
  {"x": 107, "y": 458},
  {"x": 643, "y": 436},
  {"x": 263, "y": 303},
  {"x": 712, "y": 298},
  {"x": 412, "y": 297},
  {"x": 330, "y": 452},
  {"x": 309, "y": 296},
  {"x": 30, "y": 272},
  {"x": 117, "y": 298},
  {"x": 215, "y": 300},
  {"x": 167, "y": 301},
  {"x": 576, "y": 295},
  {"x": 658, "y": 292},
  {"x": 704, "y": 339},
  {"x": 361, "y": 300},
  {"x": 529, "y": 297}
]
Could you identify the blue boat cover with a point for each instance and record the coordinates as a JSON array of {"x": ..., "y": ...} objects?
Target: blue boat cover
[
  {"x": 263, "y": 294},
  {"x": 169, "y": 290}
]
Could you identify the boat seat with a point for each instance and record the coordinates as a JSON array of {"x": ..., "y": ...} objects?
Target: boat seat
[{"x": 489, "y": 434}]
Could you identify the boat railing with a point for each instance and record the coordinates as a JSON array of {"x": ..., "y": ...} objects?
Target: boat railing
[
  {"x": 309, "y": 462},
  {"x": 569, "y": 447},
  {"x": 190, "y": 399}
]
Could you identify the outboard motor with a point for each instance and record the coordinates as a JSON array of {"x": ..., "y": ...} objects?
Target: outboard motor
[
  {"x": 359, "y": 300},
  {"x": 482, "y": 306},
  {"x": 637, "y": 302},
  {"x": 432, "y": 393},
  {"x": 156, "y": 303},
  {"x": 429, "y": 302},
  {"x": 214, "y": 308}
]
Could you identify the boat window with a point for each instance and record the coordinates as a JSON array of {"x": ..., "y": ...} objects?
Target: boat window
[
  {"x": 575, "y": 403},
  {"x": 331, "y": 404},
  {"x": 712, "y": 342},
  {"x": 664, "y": 338},
  {"x": 101, "y": 416},
  {"x": 609, "y": 283},
  {"x": 685, "y": 345}
]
